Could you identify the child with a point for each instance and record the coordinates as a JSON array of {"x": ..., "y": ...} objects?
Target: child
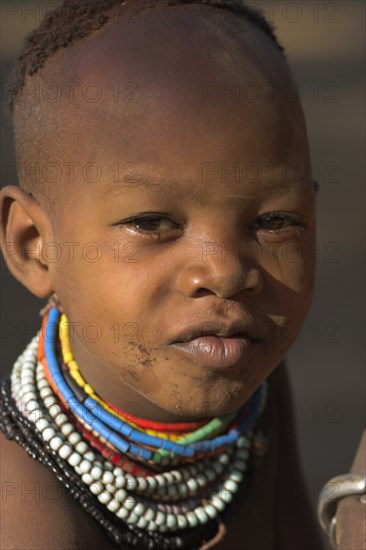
[{"x": 170, "y": 219}]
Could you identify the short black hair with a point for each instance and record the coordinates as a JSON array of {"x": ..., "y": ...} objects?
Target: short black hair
[{"x": 76, "y": 19}]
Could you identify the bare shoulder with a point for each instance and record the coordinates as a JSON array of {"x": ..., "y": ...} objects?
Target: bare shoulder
[{"x": 36, "y": 510}]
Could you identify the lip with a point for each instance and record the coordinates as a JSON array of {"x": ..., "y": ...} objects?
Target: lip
[
  {"x": 239, "y": 328},
  {"x": 217, "y": 352}
]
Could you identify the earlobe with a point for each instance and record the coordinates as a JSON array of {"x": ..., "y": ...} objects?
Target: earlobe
[{"x": 24, "y": 230}]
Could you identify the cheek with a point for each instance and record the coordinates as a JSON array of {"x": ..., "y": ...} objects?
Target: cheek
[
  {"x": 291, "y": 264},
  {"x": 105, "y": 298},
  {"x": 90, "y": 271},
  {"x": 288, "y": 271},
  {"x": 297, "y": 272}
]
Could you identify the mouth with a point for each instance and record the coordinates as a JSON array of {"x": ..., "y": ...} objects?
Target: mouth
[
  {"x": 221, "y": 347},
  {"x": 236, "y": 329},
  {"x": 216, "y": 352}
]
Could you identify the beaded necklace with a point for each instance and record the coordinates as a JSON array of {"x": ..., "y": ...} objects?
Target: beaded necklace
[{"x": 142, "y": 483}]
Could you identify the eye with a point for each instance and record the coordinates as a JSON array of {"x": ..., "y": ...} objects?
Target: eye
[
  {"x": 277, "y": 222},
  {"x": 152, "y": 224}
]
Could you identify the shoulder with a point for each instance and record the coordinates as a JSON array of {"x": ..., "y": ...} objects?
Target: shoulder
[
  {"x": 36, "y": 510},
  {"x": 295, "y": 519}
]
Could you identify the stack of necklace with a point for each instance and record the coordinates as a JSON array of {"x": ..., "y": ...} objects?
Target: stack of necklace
[{"x": 150, "y": 485}]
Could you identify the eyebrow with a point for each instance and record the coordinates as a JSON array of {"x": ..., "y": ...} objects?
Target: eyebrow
[
  {"x": 180, "y": 190},
  {"x": 125, "y": 186},
  {"x": 115, "y": 189}
]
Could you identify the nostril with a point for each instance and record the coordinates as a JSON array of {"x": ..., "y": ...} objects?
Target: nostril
[{"x": 201, "y": 292}]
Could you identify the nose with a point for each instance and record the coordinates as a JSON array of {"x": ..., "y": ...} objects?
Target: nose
[{"x": 221, "y": 268}]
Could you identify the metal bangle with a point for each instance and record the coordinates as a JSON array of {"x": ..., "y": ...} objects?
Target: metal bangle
[{"x": 332, "y": 492}]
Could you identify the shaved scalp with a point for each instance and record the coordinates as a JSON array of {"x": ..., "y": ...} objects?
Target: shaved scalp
[
  {"x": 76, "y": 19},
  {"x": 39, "y": 120}
]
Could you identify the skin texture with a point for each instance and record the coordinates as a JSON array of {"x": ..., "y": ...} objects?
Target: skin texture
[{"x": 141, "y": 285}]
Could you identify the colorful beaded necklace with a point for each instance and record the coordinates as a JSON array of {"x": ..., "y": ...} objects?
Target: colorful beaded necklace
[{"x": 166, "y": 492}]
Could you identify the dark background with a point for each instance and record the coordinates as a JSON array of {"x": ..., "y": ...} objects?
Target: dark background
[{"x": 326, "y": 50}]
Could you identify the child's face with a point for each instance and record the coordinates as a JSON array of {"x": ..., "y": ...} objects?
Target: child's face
[{"x": 129, "y": 293}]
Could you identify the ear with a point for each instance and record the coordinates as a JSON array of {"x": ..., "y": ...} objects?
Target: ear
[{"x": 24, "y": 230}]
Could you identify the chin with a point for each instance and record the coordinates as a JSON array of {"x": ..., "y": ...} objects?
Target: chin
[{"x": 203, "y": 408}]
